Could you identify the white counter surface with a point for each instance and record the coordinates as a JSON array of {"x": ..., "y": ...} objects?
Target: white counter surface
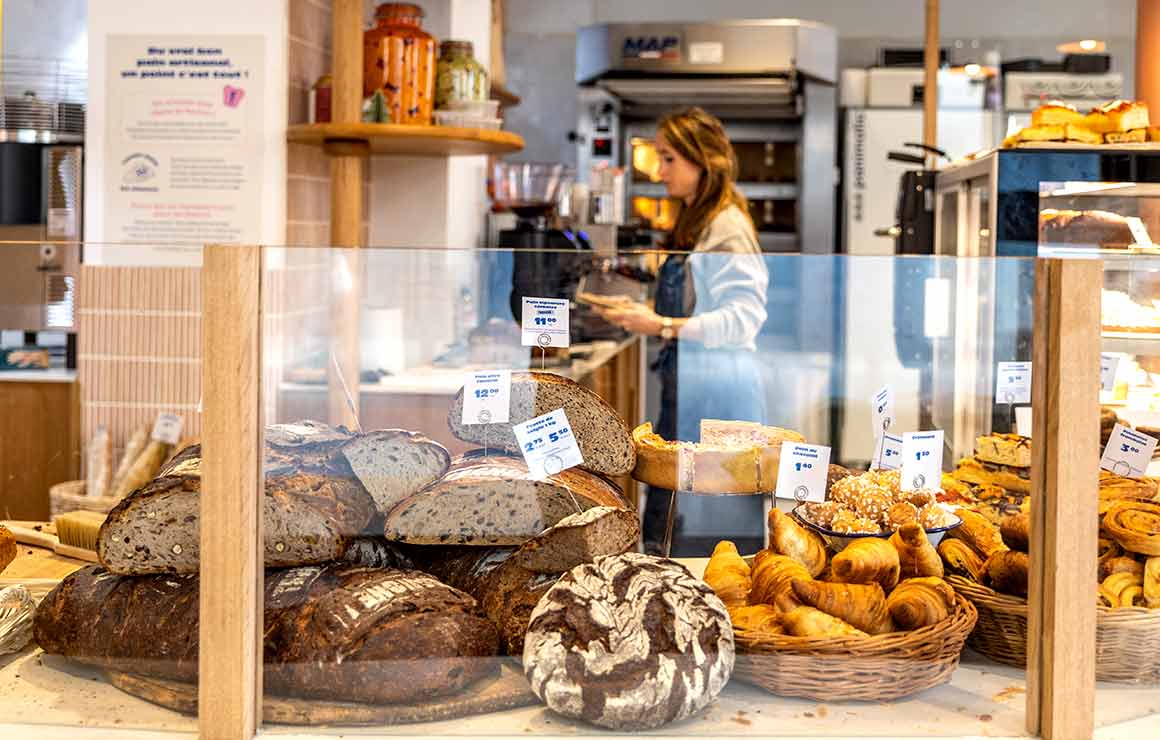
[
  {"x": 982, "y": 699},
  {"x": 56, "y": 375},
  {"x": 446, "y": 381}
]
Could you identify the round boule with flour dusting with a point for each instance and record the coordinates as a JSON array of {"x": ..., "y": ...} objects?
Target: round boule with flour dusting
[{"x": 628, "y": 642}]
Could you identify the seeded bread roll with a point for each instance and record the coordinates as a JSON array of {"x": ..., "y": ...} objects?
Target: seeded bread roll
[
  {"x": 629, "y": 642},
  {"x": 494, "y": 501},
  {"x": 393, "y": 463},
  {"x": 337, "y": 631},
  {"x": 601, "y": 434}
]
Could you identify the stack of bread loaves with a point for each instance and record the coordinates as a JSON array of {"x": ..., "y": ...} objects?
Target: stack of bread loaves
[{"x": 379, "y": 548}]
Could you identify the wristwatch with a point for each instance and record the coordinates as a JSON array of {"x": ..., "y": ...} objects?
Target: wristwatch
[{"x": 667, "y": 330}]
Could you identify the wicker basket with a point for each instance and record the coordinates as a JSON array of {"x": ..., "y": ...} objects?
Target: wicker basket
[
  {"x": 879, "y": 668},
  {"x": 70, "y": 496},
  {"x": 1126, "y": 637}
]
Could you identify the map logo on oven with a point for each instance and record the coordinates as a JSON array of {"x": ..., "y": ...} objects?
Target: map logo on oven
[{"x": 664, "y": 48}]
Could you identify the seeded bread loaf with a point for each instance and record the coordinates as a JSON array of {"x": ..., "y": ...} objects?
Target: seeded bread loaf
[
  {"x": 313, "y": 505},
  {"x": 629, "y": 642},
  {"x": 580, "y": 538},
  {"x": 601, "y": 434},
  {"x": 336, "y": 632},
  {"x": 494, "y": 501},
  {"x": 393, "y": 463}
]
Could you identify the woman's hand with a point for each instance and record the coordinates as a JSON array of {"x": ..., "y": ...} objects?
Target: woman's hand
[{"x": 633, "y": 317}]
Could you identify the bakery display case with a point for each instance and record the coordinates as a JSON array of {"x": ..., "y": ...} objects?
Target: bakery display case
[{"x": 402, "y": 543}]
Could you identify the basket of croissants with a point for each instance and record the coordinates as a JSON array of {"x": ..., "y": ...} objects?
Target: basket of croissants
[
  {"x": 873, "y": 622},
  {"x": 988, "y": 565}
]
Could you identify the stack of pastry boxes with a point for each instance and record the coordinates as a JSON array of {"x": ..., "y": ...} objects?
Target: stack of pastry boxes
[{"x": 999, "y": 473}]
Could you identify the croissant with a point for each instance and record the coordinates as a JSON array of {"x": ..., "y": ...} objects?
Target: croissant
[
  {"x": 977, "y": 532},
  {"x": 806, "y": 621},
  {"x": 1007, "y": 572},
  {"x": 916, "y": 556},
  {"x": 728, "y": 574},
  {"x": 1016, "y": 531},
  {"x": 861, "y": 605},
  {"x": 961, "y": 559},
  {"x": 1152, "y": 583},
  {"x": 757, "y": 618},
  {"x": 1120, "y": 564},
  {"x": 787, "y": 537},
  {"x": 867, "y": 560},
  {"x": 772, "y": 577},
  {"x": 920, "y": 602}
]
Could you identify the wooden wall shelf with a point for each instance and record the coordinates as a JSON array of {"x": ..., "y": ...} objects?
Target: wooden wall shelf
[{"x": 405, "y": 140}]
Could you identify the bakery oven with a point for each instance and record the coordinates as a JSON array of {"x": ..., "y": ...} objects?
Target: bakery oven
[{"x": 771, "y": 82}]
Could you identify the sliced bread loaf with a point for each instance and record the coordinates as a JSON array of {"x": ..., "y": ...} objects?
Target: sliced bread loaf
[
  {"x": 494, "y": 501},
  {"x": 393, "y": 464},
  {"x": 602, "y": 436},
  {"x": 580, "y": 538}
]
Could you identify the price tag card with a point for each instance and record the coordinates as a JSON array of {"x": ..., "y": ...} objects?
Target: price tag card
[
  {"x": 1109, "y": 363},
  {"x": 548, "y": 444},
  {"x": 882, "y": 405},
  {"x": 1128, "y": 452},
  {"x": 802, "y": 472},
  {"x": 922, "y": 460},
  {"x": 1023, "y": 421},
  {"x": 887, "y": 453},
  {"x": 1013, "y": 382},
  {"x": 487, "y": 397},
  {"x": 167, "y": 429},
  {"x": 545, "y": 322}
]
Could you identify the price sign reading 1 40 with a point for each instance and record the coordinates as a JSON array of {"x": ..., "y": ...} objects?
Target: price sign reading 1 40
[
  {"x": 802, "y": 472},
  {"x": 487, "y": 397}
]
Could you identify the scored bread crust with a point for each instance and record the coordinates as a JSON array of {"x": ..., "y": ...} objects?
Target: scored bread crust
[
  {"x": 494, "y": 501},
  {"x": 601, "y": 435},
  {"x": 743, "y": 467}
]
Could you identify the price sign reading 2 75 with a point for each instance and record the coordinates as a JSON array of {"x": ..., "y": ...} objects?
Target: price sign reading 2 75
[{"x": 548, "y": 444}]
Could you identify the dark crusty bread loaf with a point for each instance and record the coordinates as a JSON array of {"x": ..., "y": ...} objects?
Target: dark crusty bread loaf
[
  {"x": 603, "y": 437},
  {"x": 337, "y": 632},
  {"x": 393, "y": 463},
  {"x": 313, "y": 505},
  {"x": 629, "y": 642},
  {"x": 376, "y": 552},
  {"x": 7, "y": 548},
  {"x": 494, "y": 501}
]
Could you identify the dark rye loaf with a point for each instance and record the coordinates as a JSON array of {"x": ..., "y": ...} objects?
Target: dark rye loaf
[
  {"x": 494, "y": 501},
  {"x": 313, "y": 505},
  {"x": 338, "y": 632},
  {"x": 603, "y": 437},
  {"x": 629, "y": 642}
]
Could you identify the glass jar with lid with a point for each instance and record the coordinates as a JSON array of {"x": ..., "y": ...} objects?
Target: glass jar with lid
[
  {"x": 459, "y": 75},
  {"x": 399, "y": 61}
]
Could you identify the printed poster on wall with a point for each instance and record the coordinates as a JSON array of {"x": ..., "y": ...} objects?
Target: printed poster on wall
[{"x": 183, "y": 146}]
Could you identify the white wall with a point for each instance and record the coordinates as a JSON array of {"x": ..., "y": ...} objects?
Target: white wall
[{"x": 46, "y": 29}]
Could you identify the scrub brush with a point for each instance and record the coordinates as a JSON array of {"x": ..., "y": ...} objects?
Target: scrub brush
[{"x": 77, "y": 533}]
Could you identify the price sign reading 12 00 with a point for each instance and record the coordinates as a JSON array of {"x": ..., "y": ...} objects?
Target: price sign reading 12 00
[{"x": 487, "y": 397}]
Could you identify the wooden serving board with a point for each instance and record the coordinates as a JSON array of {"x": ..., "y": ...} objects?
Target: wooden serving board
[{"x": 508, "y": 690}]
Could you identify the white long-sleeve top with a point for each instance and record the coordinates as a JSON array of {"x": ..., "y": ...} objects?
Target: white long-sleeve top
[{"x": 730, "y": 281}]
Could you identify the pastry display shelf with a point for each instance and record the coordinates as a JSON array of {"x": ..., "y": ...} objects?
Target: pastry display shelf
[
  {"x": 1130, "y": 342},
  {"x": 406, "y": 140}
]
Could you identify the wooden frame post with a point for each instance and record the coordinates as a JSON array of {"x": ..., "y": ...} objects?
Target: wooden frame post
[
  {"x": 230, "y": 625},
  {"x": 1061, "y": 630},
  {"x": 930, "y": 80}
]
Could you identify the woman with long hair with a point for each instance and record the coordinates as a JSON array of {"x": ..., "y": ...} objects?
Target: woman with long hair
[{"x": 710, "y": 302}]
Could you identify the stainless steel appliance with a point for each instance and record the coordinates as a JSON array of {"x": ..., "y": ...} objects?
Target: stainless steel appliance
[
  {"x": 41, "y": 160},
  {"x": 770, "y": 81}
]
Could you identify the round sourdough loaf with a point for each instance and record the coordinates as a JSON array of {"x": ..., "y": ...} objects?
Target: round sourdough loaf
[{"x": 629, "y": 642}]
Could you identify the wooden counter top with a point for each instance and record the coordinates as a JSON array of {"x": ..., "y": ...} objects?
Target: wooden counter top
[{"x": 36, "y": 563}]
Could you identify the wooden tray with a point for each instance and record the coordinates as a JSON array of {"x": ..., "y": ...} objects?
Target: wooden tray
[{"x": 508, "y": 690}]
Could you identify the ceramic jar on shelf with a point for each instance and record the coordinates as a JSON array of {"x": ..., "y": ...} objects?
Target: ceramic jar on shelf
[
  {"x": 399, "y": 60},
  {"x": 459, "y": 76}
]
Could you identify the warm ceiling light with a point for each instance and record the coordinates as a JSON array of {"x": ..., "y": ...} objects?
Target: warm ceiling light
[
  {"x": 1086, "y": 46},
  {"x": 973, "y": 70}
]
